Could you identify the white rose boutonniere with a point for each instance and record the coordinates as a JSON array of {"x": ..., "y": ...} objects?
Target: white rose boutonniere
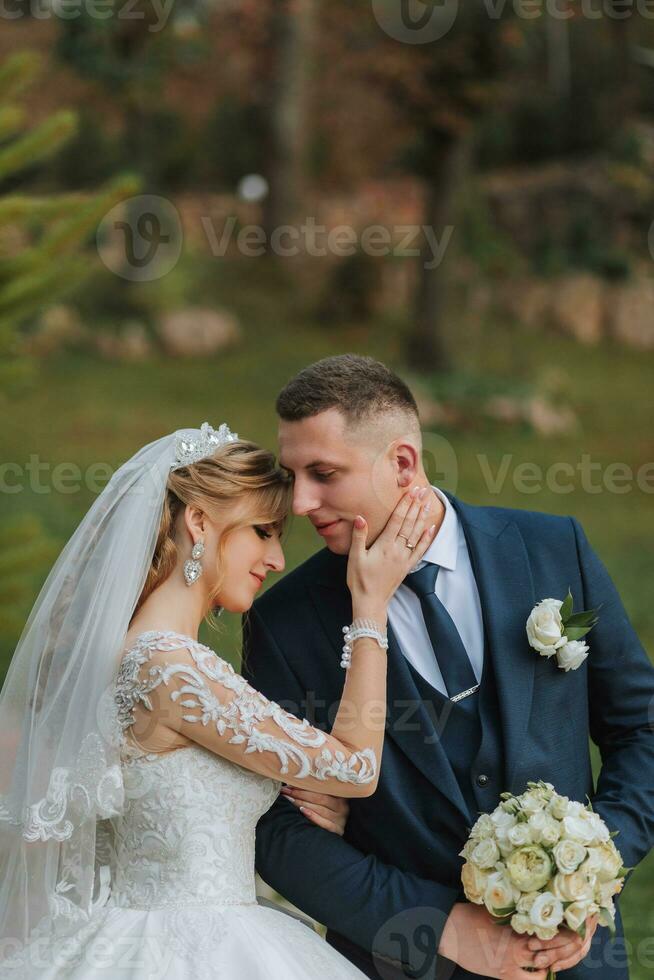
[{"x": 553, "y": 629}]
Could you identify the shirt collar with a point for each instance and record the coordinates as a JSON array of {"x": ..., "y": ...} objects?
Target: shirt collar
[{"x": 444, "y": 548}]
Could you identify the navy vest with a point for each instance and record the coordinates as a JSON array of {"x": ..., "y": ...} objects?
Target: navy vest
[{"x": 472, "y": 740}]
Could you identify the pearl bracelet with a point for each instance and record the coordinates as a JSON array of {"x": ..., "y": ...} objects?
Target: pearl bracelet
[{"x": 359, "y": 628}]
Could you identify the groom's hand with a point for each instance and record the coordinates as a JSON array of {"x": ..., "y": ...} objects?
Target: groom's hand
[
  {"x": 328, "y": 812},
  {"x": 474, "y": 940},
  {"x": 563, "y": 952}
]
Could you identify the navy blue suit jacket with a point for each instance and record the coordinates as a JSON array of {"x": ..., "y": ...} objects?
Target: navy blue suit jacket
[{"x": 388, "y": 885}]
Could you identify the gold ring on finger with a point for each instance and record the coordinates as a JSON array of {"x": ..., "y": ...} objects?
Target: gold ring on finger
[
  {"x": 409, "y": 545},
  {"x": 402, "y": 536}
]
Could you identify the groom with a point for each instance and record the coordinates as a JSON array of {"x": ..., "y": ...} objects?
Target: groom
[{"x": 389, "y": 890}]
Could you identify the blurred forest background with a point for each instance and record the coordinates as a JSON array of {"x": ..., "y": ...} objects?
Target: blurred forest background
[{"x": 198, "y": 198}]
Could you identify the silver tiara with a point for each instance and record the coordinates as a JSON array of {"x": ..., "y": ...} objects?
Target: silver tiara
[{"x": 193, "y": 444}]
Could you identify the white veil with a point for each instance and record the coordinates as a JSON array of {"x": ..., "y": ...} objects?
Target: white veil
[{"x": 59, "y": 736}]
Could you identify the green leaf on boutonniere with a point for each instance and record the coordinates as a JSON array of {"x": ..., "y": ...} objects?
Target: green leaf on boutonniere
[
  {"x": 566, "y": 608},
  {"x": 588, "y": 619},
  {"x": 576, "y": 625},
  {"x": 576, "y": 632}
]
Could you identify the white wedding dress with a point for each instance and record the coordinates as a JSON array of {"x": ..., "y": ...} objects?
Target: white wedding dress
[{"x": 181, "y": 902}]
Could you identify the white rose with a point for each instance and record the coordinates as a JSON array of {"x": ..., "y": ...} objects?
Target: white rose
[
  {"x": 519, "y": 835},
  {"x": 503, "y": 822},
  {"x": 600, "y": 829},
  {"x": 521, "y": 924},
  {"x": 547, "y": 911},
  {"x": 574, "y": 887},
  {"x": 608, "y": 889},
  {"x": 506, "y": 848},
  {"x": 533, "y": 801},
  {"x": 611, "y": 861},
  {"x": 529, "y": 867},
  {"x": 474, "y": 882},
  {"x": 568, "y": 855},
  {"x": 593, "y": 863},
  {"x": 485, "y": 854},
  {"x": 526, "y": 901},
  {"x": 558, "y": 806},
  {"x": 500, "y": 894},
  {"x": 576, "y": 914},
  {"x": 572, "y": 654},
  {"x": 544, "y": 627},
  {"x": 544, "y": 828},
  {"x": 581, "y": 829},
  {"x": 483, "y": 828}
]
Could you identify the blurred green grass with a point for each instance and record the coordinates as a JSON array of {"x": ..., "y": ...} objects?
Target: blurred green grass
[{"x": 86, "y": 411}]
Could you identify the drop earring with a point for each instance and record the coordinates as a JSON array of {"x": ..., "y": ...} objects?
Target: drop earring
[{"x": 193, "y": 565}]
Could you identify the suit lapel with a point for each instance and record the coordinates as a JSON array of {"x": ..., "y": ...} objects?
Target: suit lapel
[{"x": 506, "y": 591}]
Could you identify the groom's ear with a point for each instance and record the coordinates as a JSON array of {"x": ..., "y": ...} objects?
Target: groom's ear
[{"x": 406, "y": 461}]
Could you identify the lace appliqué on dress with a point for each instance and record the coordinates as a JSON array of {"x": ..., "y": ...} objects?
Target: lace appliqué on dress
[
  {"x": 239, "y": 714},
  {"x": 91, "y": 788}
]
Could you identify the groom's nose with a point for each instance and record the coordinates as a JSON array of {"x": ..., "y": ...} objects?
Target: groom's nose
[{"x": 305, "y": 498}]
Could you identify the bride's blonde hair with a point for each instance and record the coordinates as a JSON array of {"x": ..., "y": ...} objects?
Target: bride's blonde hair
[{"x": 240, "y": 479}]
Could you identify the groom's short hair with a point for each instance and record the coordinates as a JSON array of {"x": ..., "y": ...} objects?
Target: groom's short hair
[{"x": 360, "y": 387}]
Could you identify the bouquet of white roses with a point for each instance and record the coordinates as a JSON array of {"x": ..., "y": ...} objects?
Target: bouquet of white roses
[{"x": 541, "y": 861}]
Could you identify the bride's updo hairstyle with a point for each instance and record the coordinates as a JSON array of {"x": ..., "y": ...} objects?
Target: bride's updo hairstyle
[{"x": 240, "y": 484}]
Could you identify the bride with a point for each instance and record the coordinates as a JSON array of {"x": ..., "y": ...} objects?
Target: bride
[{"x": 135, "y": 762}]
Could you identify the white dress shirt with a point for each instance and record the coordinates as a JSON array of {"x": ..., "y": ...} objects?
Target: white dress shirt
[{"x": 457, "y": 590}]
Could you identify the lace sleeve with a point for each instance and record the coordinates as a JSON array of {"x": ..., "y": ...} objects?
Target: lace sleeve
[{"x": 193, "y": 691}]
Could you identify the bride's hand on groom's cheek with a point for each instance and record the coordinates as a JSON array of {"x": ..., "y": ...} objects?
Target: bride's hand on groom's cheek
[{"x": 328, "y": 812}]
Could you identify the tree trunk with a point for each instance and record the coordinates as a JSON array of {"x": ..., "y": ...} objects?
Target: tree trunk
[
  {"x": 426, "y": 350},
  {"x": 291, "y": 39},
  {"x": 559, "y": 68}
]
